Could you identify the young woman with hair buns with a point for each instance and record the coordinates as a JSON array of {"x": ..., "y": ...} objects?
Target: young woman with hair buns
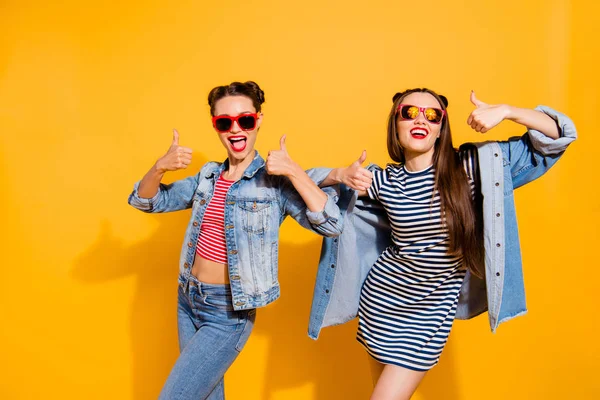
[
  {"x": 228, "y": 263},
  {"x": 450, "y": 247}
]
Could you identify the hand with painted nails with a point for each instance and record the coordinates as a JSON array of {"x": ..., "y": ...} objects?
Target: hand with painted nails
[
  {"x": 355, "y": 175},
  {"x": 279, "y": 161},
  {"x": 177, "y": 157},
  {"x": 486, "y": 116}
]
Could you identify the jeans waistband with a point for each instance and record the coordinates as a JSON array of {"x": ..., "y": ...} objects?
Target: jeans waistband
[{"x": 214, "y": 289}]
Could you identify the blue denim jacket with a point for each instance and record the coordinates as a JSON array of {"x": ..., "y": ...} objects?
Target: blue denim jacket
[
  {"x": 503, "y": 167},
  {"x": 255, "y": 207}
]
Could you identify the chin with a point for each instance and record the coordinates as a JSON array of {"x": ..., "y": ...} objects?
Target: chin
[{"x": 242, "y": 155}]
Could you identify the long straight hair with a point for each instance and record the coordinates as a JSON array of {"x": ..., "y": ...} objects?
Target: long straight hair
[{"x": 462, "y": 215}]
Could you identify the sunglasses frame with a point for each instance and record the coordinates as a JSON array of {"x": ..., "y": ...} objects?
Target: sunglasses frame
[
  {"x": 234, "y": 120},
  {"x": 421, "y": 111}
]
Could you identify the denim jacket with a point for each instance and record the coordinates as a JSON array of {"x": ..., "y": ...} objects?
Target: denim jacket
[
  {"x": 255, "y": 207},
  {"x": 503, "y": 167}
]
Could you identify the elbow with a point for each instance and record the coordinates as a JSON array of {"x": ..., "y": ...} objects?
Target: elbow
[
  {"x": 139, "y": 203},
  {"x": 331, "y": 228}
]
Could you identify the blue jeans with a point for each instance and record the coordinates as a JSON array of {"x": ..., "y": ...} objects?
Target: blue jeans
[{"x": 211, "y": 335}]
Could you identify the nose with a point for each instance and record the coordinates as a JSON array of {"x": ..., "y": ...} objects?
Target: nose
[
  {"x": 235, "y": 128},
  {"x": 420, "y": 118}
]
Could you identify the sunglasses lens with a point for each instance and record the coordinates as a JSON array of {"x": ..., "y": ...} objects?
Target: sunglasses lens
[
  {"x": 247, "y": 122},
  {"x": 433, "y": 115},
  {"x": 409, "y": 112},
  {"x": 223, "y": 124}
]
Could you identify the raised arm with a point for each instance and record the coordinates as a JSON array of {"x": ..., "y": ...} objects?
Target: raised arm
[
  {"x": 354, "y": 176},
  {"x": 302, "y": 199},
  {"x": 177, "y": 157},
  {"x": 149, "y": 195},
  {"x": 280, "y": 163},
  {"x": 530, "y": 155},
  {"x": 486, "y": 116}
]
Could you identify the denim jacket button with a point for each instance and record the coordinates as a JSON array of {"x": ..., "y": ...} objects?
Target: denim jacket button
[
  {"x": 497, "y": 183},
  {"x": 190, "y": 245},
  {"x": 231, "y": 202},
  {"x": 332, "y": 265},
  {"x": 233, "y": 252},
  {"x": 497, "y": 214},
  {"x": 497, "y": 273},
  {"x": 195, "y": 223},
  {"x": 235, "y": 277},
  {"x": 229, "y": 227},
  {"x": 186, "y": 265},
  {"x": 495, "y": 154},
  {"x": 240, "y": 303},
  {"x": 202, "y": 202},
  {"x": 498, "y": 245}
]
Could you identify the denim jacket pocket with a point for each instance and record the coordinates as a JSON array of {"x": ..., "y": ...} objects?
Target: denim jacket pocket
[{"x": 256, "y": 215}]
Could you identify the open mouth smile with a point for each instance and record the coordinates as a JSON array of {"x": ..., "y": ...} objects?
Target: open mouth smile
[
  {"x": 238, "y": 143},
  {"x": 419, "y": 133}
]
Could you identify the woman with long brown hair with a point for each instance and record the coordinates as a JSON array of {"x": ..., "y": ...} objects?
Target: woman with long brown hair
[{"x": 433, "y": 197}]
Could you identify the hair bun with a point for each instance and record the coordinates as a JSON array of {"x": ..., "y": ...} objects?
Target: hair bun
[
  {"x": 397, "y": 96},
  {"x": 260, "y": 95},
  {"x": 444, "y": 100}
]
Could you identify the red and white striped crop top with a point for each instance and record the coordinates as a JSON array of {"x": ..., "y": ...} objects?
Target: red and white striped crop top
[{"x": 211, "y": 241}]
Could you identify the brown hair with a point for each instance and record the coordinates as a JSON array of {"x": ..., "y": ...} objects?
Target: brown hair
[
  {"x": 249, "y": 89},
  {"x": 461, "y": 214}
]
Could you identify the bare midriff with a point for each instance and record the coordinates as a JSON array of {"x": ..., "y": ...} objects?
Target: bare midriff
[{"x": 208, "y": 271}]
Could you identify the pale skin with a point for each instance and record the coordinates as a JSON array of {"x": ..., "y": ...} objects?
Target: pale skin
[
  {"x": 278, "y": 162},
  {"x": 392, "y": 382}
]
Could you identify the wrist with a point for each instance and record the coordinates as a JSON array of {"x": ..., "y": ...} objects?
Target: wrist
[
  {"x": 157, "y": 169},
  {"x": 338, "y": 174},
  {"x": 294, "y": 171},
  {"x": 510, "y": 112}
]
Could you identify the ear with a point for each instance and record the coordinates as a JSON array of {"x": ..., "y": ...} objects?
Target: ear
[{"x": 259, "y": 118}]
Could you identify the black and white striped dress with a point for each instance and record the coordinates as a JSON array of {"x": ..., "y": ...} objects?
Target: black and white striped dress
[{"x": 408, "y": 301}]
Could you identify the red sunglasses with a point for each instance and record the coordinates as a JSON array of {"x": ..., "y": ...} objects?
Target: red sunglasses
[
  {"x": 431, "y": 114},
  {"x": 224, "y": 123}
]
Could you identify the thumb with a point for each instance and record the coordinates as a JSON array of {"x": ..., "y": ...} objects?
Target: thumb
[
  {"x": 475, "y": 100},
  {"x": 362, "y": 157},
  {"x": 282, "y": 144},
  {"x": 175, "y": 138}
]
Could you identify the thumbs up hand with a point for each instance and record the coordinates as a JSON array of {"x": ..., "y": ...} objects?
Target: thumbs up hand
[
  {"x": 355, "y": 175},
  {"x": 279, "y": 161},
  {"x": 177, "y": 157},
  {"x": 486, "y": 116}
]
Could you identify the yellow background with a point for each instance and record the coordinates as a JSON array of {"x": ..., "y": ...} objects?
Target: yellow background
[{"x": 89, "y": 93}]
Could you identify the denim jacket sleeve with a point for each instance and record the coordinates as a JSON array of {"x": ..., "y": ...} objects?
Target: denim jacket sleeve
[
  {"x": 326, "y": 222},
  {"x": 170, "y": 197},
  {"x": 532, "y": 154}
]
